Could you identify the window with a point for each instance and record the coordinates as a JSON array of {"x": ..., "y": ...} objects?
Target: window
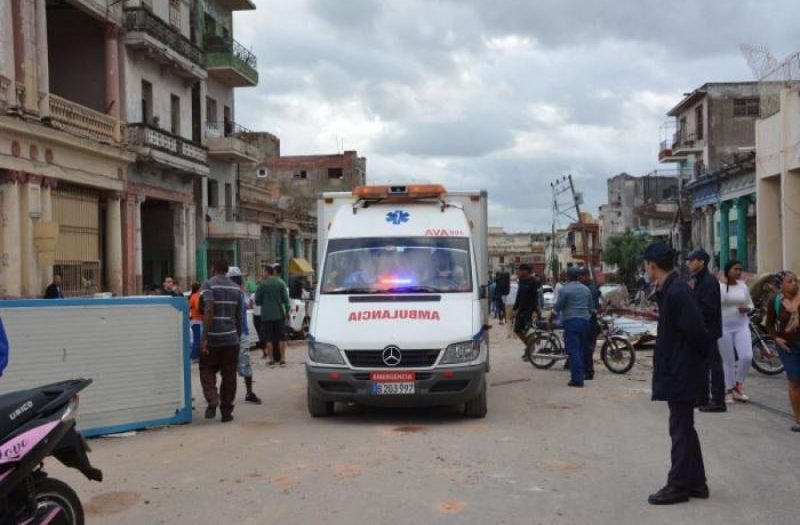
[
  {"x": 175, "y": 110},
  {"x": 335, "y": 173},
  {"x": 502, "y": 260},
  {"x": 698, "y": 122},
  {"x": 746, "y": 107},
  {"x": 300, "y": 174},
  {"x": 682, "y": 134},
  {"x": 211, "y": 110},
  {"x": 147, "y": 102},
  {"x": 175, "y": 13},
  {"x": 213, "y": 194}
]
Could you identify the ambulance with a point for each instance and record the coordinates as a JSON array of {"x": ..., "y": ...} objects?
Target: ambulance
[{"x": 400, "y": 308}]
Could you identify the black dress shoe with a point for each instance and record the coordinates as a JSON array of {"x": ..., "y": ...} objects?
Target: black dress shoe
[
  {"x": 588, "y": 377},
  {"x": 700, "y": 492},
  {"x": 669, "y": 496},
  {"x": 575, "y": 384},
  {"x": 227, "y": 418},
  {"x": 713, "y": 407},
  {"x": 211, "y": 412}
]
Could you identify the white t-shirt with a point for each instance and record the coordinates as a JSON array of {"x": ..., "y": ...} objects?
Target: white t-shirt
[
  {"x": 732, "y": 297},
  {"x": 511, "y": 298}
]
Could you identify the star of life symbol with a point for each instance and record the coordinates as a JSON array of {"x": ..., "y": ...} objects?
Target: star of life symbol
[{"x": 397, "y": 217}]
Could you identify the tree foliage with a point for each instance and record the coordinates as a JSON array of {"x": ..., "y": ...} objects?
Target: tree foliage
[{"x": 625, "y": 251}]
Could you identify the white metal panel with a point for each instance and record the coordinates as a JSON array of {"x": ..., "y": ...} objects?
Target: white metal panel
[{"x": 133, "y": 352}]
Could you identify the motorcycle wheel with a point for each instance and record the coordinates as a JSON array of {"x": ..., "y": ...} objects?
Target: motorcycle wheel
[
  {"x": 618, "y": 355},
  {"x": 765, "y": 357},
  {"x": 53, "y": 495},
  {"x": 543, "y": 351}
]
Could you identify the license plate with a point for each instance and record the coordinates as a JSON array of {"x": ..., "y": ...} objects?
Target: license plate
[{"x": 393, "y": 383}]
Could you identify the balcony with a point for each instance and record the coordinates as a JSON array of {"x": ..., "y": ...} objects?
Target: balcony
[
  {"x": 164, "y": 148},
  {"x": 224, "y": 225},
  {"x": 225, "y": 143},
  {"x": 163, "y": 43},
  {"x": 80, "y": 120},
  {"x": 229, "y": 62},
  {"x": 236, "y": 5}
]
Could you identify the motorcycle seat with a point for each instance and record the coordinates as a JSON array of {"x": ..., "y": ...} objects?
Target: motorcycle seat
[{"x": 17, "y": 408}]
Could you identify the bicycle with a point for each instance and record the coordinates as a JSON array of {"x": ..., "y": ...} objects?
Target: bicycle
[
  {"x": 765, "y": 351},
  {"x": 545, "y": 348}
]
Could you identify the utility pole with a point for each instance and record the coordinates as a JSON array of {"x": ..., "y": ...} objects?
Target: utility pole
[
  {"x": 570, "y": 209},
  {"x": 584, "y": 237}
]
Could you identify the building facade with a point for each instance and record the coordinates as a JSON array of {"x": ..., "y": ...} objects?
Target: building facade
[
  {"x": 62, "y": 156},
  {"x": 710, "y": 126},
  {"x": 508, "y": 250},
  {"x": 778, "y": 185}
]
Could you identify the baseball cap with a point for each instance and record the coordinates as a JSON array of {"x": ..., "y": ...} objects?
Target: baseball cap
[
  {"x": 658, "y": 252},
  {"x": 234, "y": 271},
  {"x": 574, "y": 272},
  {"x": 700, "y": 254}
]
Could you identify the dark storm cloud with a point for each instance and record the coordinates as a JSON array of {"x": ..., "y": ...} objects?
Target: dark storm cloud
[{"x": 505, "y": 95}]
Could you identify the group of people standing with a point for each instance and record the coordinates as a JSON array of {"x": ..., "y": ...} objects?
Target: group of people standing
[{"x": 219, "y": 321}]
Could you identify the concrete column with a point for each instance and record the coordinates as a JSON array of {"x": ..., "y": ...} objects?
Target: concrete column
[
  {"x": 42, "y": 61},
  {"x": 7, "y": 53},
  {"x": 791, "y": 219},
  {"x": 29, "y": 213},
  {"x": 11, "y": 237},
  {"x": 46, "y": 272},
  {"x": 768, "y": 224},
  {"x": 114, "y": 234},
  {"x": 724, "y": 233},
  {"x": 191, "y": 246},
  {"x": 180, "y": 244},
  {"x": 138, "y": 271},
  {"x": 284, "y": 255},
  {"x": 113, "y": 102},
  {"x": 741, "y": 230},
  {"x": 709, "y": 244}
]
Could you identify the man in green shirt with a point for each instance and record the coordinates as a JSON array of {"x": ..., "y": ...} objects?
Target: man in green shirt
[{"x": 273, "y": 298}]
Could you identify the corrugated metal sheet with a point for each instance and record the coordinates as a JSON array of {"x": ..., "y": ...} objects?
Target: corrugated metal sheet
[{"x": 135, "y": 349}]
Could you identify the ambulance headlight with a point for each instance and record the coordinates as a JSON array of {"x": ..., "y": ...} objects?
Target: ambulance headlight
[
  {"x": 324, "y": 353},
  {"x": 463, "y": 352}
]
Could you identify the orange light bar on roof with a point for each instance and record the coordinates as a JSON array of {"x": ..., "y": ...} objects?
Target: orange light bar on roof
[{"x": 410, "y": 191}]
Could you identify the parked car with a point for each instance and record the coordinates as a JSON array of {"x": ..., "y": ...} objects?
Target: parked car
[{"x": 547, "y": 296}]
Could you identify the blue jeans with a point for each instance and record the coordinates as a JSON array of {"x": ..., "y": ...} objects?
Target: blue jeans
[
  {"x": 197, "y": 335},
  {"x": 575, "y": 340}
]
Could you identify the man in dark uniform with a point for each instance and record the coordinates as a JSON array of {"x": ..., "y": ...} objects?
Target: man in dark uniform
[
  {"x": 707, "y": 295},
  {"x": 527, "y": 302},
  {"x": 679, "y": 374}
]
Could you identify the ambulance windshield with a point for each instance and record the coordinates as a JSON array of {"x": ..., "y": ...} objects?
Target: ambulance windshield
[{"x": 398, "y": 265}]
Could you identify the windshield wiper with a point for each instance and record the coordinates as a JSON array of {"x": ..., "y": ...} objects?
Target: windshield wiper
[{"x": 352, "y": 290}]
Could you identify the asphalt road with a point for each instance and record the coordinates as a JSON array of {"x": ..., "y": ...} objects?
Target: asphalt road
[{"x": 545, "y": 454}]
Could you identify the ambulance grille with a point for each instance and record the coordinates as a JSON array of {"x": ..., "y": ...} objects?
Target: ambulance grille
[{"x": 409, "y": 359}]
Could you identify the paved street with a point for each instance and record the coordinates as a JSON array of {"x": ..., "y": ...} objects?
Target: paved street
[{"x": 546, "y": 454}]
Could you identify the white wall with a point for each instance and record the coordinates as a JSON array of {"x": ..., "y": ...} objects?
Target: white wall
[{"x": 223, "y": 94}]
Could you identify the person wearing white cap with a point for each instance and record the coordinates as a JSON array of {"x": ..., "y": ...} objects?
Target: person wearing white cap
[{"x": 245, "y": 369}]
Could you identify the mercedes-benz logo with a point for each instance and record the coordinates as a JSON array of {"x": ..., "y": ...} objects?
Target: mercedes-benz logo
[{"x": 391, "y": 356}]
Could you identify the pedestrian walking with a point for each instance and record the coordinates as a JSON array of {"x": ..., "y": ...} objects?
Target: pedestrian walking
[
  {"x": 503, "y": 286},
  {"x": 245, "y": 369},
  {"x": 510, "y": 300},
  {"x": 735, "y": 345},
  {"x": 273, "y": 297},
  {"x": 281, "y": 358},
  {"x": 257, "y": 322},
  {"x": 526, "y": 304},
  {"x": 679, "y": 374},
  {"x": 170, "y": 287},
  {"x": 783, "y": 322},
  {"x": 53, "y": 291},
  {"x": 196, "y": 320},
  {"x": 593, "y": 330},
  {"x": 219, "y": 352},
  {"x": 707, "y": 296},
  {"x": 574, "y": 306}
]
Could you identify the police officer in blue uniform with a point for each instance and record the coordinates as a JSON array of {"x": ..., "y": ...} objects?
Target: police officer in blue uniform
[{"x": 679, "y": 373}]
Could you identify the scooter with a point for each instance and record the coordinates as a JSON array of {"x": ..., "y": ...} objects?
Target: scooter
[{"x": 35, "y": 424}]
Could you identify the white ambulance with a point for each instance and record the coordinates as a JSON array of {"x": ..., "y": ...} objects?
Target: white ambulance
[{"x": 400, "y": 309}]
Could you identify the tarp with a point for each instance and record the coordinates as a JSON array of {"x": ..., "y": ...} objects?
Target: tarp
[{"x": 300, "y": 265}]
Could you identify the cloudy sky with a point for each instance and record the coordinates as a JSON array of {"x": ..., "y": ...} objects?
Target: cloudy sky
[{"x": 502, "y": 95}]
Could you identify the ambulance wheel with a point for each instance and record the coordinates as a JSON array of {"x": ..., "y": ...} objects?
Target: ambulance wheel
[
  {"x": 317, "y": 407},
  {"x": 476, "y": 407}
]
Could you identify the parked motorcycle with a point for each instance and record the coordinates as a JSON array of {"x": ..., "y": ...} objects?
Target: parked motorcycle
[
  {"x": 35, "y": 424},
  {"x": 765, "y": 350}
]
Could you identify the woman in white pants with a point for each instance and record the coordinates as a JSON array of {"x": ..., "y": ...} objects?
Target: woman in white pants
[{"x": 735, "y": 345}]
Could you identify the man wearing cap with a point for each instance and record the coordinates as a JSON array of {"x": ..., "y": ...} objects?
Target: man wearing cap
[
  {"x": 679, "y": 373},
  {"x": 245, "y": 369},
  {"x": 707, "y": 295},
  {"x": 574, "y": 305}
]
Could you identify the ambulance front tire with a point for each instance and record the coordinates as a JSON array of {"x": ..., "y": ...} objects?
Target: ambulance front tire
[
  {"x": 318, "y": 407},
  {"x": 477, "y": 406}
]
